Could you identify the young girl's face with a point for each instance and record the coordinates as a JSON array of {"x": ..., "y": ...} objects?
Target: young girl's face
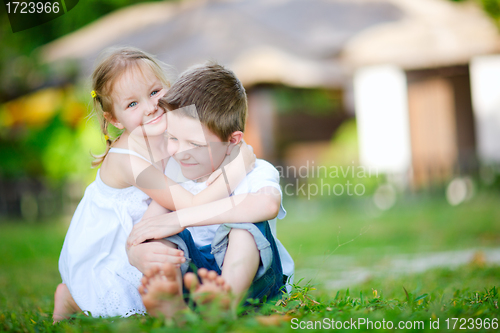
[{"x": 135, "y": 98}]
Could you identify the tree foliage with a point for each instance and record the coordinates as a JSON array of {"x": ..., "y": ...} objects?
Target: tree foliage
[{"x": 20, "y": 70}]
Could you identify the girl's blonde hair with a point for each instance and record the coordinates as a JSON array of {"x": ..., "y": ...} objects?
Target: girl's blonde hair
[{"x": 113, "y": 63}]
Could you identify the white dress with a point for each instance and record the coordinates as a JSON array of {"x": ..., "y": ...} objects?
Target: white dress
[{"x": 93, "y": 262}]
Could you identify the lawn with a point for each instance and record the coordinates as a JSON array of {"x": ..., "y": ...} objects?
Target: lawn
[{"x": 327, "y": 241}]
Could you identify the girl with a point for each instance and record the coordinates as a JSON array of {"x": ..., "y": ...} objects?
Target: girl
[{"x": 96, "y": 274}]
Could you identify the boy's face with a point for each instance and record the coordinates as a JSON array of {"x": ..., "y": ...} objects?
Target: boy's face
[{"x": 198, "y": 151}]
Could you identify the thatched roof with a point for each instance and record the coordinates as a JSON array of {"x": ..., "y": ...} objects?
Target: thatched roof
[{"x": 295, "y": 42}]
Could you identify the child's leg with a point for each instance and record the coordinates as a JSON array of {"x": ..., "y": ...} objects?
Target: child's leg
[
  {"x": 240, "y": 262},
  {"x": 64, "y": 304},
  {"x": 250, "y": 260}
]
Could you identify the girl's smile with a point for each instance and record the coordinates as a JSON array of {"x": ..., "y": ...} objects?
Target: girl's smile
[
  {"x": 157, "y": 119},
  {"x": 187, "y": 164}
]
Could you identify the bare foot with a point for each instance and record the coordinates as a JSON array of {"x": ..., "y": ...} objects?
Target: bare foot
[
  {"x": 64, "y": 304},
  {"x": 213, "y": 288},
  {"x": 161, "y": 291}
]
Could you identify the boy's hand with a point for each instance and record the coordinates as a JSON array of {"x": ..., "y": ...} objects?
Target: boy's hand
[
  {"x": 153, "y": 253},
  {"x": 156, "y": 227}
]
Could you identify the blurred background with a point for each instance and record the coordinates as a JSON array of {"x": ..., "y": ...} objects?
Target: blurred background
[{"x": 382, "y": 116}]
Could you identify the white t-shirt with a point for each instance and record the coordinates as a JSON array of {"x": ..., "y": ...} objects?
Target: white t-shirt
[{"x": 263, "y": 175}]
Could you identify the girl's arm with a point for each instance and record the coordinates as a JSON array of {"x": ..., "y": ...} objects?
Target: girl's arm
[
  {"x": 173, "y": 196},
  {"x": 155, "y": 209},
  {"x": 243, "y": 208},
  {"x": 154, "y": 253}
]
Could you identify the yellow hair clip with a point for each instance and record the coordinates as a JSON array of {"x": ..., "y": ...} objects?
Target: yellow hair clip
[
  {"x": 93, "y": 94},
  {"x": 106, "y": 137}
]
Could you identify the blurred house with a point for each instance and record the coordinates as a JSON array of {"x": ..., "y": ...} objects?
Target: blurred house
[
  {"x": 402, "y": 65},
  {"x": 413, "y": 80}
]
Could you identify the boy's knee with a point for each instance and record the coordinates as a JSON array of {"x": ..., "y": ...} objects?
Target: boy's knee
[
  {"x": 242, "y": 238},
  {"x": 239, "y": 234}
]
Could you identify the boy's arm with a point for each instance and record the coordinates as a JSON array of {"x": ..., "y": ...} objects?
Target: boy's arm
[{"x": 243, "y": 208}]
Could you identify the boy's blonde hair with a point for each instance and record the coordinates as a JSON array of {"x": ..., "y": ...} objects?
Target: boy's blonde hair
[
  {"x": 113, "y": 63},
  {"x": 217, "y": 94}
]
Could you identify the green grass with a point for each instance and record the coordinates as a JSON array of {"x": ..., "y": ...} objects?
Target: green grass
[
  {"x": 414, "y": 225},
  {"x": 29, "y": 273}
]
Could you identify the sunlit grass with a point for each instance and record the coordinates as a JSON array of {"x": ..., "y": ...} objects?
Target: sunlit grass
[
  {"x": 29, "y": 273},
  {"x": 414, "y": 224}
]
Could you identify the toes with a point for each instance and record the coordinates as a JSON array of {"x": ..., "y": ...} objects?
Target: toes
[
  {"x": 220, "y": 281},
  {"x": 202, "y": 273},
  {"x": 212, "y": 275},
  {"x": 151, "y": 271},
  {"x": 168, "y": 270},
  {"x": 191, "y": 281},
  {"x": 222, "y": 284},
  {"x": 144, "y": 280}
]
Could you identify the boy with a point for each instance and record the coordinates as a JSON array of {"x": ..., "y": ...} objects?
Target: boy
[{"x": 207, "y": 109}]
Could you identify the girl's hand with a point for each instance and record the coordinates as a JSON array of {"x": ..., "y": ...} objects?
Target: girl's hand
[
  {"x": 154, "y": 253},
  {"x": 214, "y": 176},
  {"x": 247, "y": 155},
  {"x": 156, "y": 227}
]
